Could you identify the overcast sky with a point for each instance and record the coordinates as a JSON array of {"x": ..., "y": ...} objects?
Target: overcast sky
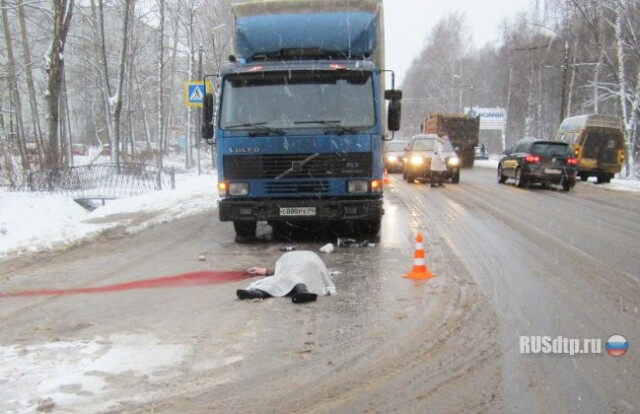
[{"x": 409, "y": 22}]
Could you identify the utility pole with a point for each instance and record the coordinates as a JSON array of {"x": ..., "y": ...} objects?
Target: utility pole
[
  {"x": 565, "y": 75},
  {"x": 199, "y": 139}
]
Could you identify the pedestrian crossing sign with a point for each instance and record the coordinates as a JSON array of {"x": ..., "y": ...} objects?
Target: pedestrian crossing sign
[{"x": 194, "y": 92}]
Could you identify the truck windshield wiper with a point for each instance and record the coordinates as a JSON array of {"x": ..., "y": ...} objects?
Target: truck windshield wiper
[
  {"x": 257, "y": 128},
  {"x": 332, "y": 124}
]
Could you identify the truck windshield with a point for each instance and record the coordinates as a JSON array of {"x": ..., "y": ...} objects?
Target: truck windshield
[{"x": 298, "y": 99}]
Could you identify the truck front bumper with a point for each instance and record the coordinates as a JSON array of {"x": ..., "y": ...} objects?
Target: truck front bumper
[{"x": 281, "y": 210}]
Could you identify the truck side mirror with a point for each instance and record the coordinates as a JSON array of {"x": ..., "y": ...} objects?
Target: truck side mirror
[
  {"x": 207, "y": 117},
  {"x": 393, "y": 116},
  {"x": 393, "y": 95}
]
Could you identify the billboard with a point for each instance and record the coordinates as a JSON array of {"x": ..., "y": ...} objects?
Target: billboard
[{"x": 490, "y": 118}]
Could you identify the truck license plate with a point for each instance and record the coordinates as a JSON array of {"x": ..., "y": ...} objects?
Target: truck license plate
[
  {"x": 552, "y": 171},
  {"x": 297, "y": 211}
]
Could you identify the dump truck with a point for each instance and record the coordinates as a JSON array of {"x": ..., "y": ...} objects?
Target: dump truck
[
  {"x": 299, "y": 125},
  {"x": 463, "y": 132}
]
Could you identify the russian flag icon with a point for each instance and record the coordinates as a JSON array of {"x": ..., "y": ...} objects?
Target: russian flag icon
[{"x": 617, "y": 345}]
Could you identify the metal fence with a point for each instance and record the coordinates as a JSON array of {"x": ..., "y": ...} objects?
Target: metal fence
[{"x": 103, "y": 181}]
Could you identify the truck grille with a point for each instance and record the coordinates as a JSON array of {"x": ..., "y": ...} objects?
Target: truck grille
[
  {"x": 244, "y": 167},
  {"x": 297, "y": 187}
]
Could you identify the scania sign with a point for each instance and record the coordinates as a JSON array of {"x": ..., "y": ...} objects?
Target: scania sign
[{"x": 490, "y": 118}]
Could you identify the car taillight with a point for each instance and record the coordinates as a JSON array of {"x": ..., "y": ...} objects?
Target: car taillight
[
  {"x": 532, "y": 159},
  {"x": 572, "y": 161}
]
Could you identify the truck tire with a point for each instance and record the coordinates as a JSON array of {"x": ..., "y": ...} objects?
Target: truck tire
[
  {"x": 410, "y": 177},
  {"x": 245, "y": 229},
  {"x": 468, "y": 161},
  {"x": 604, "y": 178},
  {"x": 455, "y": 178}
]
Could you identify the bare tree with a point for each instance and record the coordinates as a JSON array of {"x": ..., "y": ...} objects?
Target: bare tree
[
  {"x": 128, "y": 5},
  {"x": 160, "y": 91},
  {"x": 26, "y": 49},
  {"x": 439, "y": 73},
  {"x": 20, "y": 139},
  {"x": 98, "y": 12},
  {"x": 62, "y": 13}
]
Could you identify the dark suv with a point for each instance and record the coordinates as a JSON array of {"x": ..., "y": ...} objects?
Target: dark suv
[{"x": 532, "y": 161}]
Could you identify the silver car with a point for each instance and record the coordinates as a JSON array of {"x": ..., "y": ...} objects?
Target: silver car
[{"x": 417, "y": 159}]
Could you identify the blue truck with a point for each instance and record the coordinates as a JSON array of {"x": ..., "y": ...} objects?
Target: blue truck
[{"x": 299, "y": 121}]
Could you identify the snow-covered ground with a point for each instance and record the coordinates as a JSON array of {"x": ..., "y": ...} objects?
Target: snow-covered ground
[{"x": 32, "y": 222}]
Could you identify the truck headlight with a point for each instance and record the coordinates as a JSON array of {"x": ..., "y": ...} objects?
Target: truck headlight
[
  {"x": 238, "y": 189},
  {"x": 392, "y": 158},
  {"x": 453, "y": 161},
  {"x": 358, "y": 186},
  {"x": 417, "y": 160}
]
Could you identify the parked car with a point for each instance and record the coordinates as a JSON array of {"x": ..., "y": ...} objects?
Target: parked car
[
  {"x": 418, "y": 154},
  {"x": 79, "y": 149},
  {"x": 543, "y": 162},
  {"x": 393, "y": 155}
]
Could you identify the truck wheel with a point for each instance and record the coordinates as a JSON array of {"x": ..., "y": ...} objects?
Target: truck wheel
[
  {"x": 410, "y": 177},
  {"x": 245, "y": 229},
  {"x": 455, "y": 178},
  {"x": 603, "y": 178},
  {"x": 566, "y": 185},
  {"x": 583, "y": 176}
]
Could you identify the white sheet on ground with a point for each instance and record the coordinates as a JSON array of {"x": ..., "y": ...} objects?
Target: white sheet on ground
[{"x": 297, "y": 267}]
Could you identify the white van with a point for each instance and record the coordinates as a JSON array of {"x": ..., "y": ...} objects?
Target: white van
[{"x": 598, "y": 144}]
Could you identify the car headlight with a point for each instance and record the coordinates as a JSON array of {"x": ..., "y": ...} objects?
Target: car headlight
[
  {"x": 238, "y": 189},
  {"x": 453, "y": 161},
  {"x": 417, "y": 160},
  {"x": 392, "y": 158},
  {"x": 358, "y": 186}
]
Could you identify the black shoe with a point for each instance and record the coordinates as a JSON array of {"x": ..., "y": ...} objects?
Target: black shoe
[
  {"x": 300, "y": 294},
  {"x": 251, "y": 294},
  {"x": 304, "y": 297}
]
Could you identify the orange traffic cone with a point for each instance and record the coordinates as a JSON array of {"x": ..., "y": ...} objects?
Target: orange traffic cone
[
  {"x": 419, "y": 270},
  {"x": 385, "y": 181}
]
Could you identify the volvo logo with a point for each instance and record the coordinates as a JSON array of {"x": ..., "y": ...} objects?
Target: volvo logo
[{"x": 244, "y": 150}]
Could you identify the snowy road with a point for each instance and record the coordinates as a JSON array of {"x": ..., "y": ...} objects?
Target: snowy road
[{"x": 509, "y": 263}]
